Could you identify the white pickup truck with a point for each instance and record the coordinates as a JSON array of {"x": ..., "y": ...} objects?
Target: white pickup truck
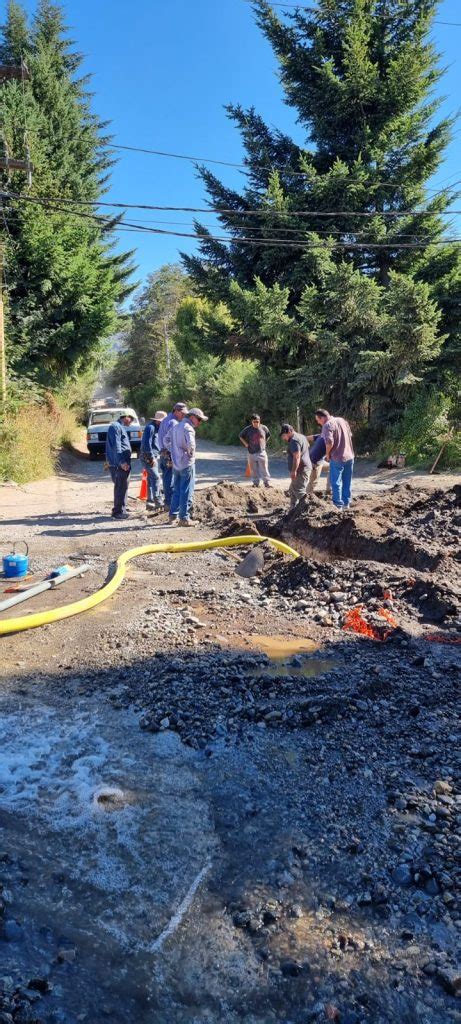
[{"x": 99, "y": 421}]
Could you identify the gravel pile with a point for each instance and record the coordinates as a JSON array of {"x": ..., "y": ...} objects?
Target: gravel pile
[{"x": 326, "y": 591}]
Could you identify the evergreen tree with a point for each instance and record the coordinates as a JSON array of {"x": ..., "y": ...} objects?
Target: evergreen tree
[
  {"x": 148, "y": 352},
  {"x": 65, "y": 280},
  {"x": 360, "y": 75}
]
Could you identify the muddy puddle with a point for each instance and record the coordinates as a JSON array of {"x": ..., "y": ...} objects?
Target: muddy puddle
[{"x": 106, "y": 845}]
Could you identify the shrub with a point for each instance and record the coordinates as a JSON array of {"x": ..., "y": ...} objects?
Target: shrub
[
  {"x": 30, "y": 436},
  {"x": 426, "y": 424}
]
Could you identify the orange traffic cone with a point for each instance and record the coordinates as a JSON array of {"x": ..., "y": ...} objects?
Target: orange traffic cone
[
  {"x": 143, "y": 489},
  {"x": 248, "y": 469}
]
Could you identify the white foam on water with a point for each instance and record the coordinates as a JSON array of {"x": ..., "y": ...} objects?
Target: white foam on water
[{"x": 127, "y": 862}]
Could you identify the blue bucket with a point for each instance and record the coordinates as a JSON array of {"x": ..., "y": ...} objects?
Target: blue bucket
[{"x": 15, "y": 566}]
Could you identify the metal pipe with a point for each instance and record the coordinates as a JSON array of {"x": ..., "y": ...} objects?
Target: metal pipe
[{"x": 39, "y": 588}]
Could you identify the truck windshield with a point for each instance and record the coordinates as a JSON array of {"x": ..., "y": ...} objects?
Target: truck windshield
[{"x": 103, "y": 417}]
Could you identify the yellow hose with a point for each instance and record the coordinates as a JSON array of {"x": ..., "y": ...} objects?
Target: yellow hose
[{"x": 66, "y": 610}]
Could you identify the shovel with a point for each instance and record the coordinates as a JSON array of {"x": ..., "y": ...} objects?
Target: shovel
[{"x": 252, "y": 563}]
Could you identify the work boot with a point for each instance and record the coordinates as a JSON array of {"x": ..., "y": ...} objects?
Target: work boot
[
  {"x": 120, "y": 515},
  {"x": 267, "y": 483},
  {"x": 173, "y": 520},
  {"x": 150, "y": 507},
  {"x": 187, "y": 522}
]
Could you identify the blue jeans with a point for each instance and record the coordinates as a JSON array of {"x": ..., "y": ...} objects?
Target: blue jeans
[
  {"x": 153, "y": 483},
  {"x": 341, "y": 482},
  {"x": 183, "y": 490},
  {"x": 166, "y": 470},
  {"x": 120, "y": 480}
]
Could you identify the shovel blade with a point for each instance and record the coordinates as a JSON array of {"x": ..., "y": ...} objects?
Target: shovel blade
[{"x": 252, "y": 563}]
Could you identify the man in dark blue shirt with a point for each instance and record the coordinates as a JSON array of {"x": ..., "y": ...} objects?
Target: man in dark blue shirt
[
  {"x": 118, "y": 459},
  {"x": 149, "y": 455},
  {"x": 317, "y": 453}
]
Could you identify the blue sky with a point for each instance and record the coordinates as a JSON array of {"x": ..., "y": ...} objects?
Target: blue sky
[{"x": 163, "y": 69}]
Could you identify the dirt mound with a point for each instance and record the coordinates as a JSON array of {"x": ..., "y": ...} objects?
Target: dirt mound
[
  {"x": 216, "y": 503},
  {"x": 403, "y": 527}
]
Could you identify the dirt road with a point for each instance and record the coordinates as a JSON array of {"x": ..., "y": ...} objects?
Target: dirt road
[{"x": 194, "y": 833}]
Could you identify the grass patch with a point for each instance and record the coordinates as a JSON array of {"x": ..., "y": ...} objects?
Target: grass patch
[{"x": 31, "y": 435}]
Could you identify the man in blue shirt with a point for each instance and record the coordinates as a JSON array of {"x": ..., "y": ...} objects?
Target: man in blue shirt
[
  {"x": 317, "y": 453},
  {"x": 118, "y": 459},
  {"x": 177, "y": 414},
  {"x": 180, "y": 442},
  {"x": 149, "y": 455}
]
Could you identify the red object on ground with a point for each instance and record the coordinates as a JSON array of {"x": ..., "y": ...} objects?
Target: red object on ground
[
  {"x": 441, "y": 638},
  {"x": 356, "y": 623},
  {"x": 143, "y": 489},
  {"x": 248, "y": 469}
]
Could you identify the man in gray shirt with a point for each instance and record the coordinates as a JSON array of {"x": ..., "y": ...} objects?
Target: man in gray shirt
[
  {"x": 254, "y": 438},
  {"x": 299, "y": 463}
]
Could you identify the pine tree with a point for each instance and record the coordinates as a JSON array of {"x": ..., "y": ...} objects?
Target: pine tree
[
  {"x": 149, "y": 344},
  {"x": 360, "y": 75},
  {"x": 65, "y": 280}
]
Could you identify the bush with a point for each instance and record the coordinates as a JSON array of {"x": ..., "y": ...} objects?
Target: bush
[
  {"x": 228, "y": 391},
  {"x": 426, "y": 424},
  {"x": 30, "y": 437}
]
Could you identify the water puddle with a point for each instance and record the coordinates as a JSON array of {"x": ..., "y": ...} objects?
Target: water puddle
[
  {"x": 286, "y": 659},
  {"x": 108, "y": 845},
  {"x": 310, "y": 669},
  {"x": 279, "y": 647}
]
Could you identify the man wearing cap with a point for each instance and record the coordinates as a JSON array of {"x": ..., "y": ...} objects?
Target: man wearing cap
[
  {"x": 118, "y": 459},
  {"x": 165, "y": 464},
  {"x": 180, "y": 442},
  {"x": 149, "y": 455},
  {"x": 254, "y": 437},
  {"x": 299, "y": 463}
]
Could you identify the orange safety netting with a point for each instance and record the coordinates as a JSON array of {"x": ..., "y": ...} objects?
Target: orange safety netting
[
  {"x": 441, "y": 638},
  {"x": 356, "y": 623}
]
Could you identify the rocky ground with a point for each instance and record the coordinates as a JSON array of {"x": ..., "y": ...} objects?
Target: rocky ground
[{"x": 329, "y": 758}]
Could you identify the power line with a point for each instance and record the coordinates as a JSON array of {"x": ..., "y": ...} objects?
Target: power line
[
  {"x": 231, "y": 212},
  {"x": 257, "y": 242},
  {"x": 263, "y": 167}
]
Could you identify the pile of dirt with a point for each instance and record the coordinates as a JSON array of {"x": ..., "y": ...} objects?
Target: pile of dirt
[
  {"x": 404, "y": 527},
  {"x": 217, "y": 503}
]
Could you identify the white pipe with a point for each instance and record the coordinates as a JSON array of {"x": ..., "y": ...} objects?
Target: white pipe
[{"x": 39, "y": 588}]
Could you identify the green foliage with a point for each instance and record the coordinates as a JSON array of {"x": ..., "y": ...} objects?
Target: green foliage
[
  {"x": 426, "y": 425},
  {"x": 65, "y": 280},
  {"x": 228, "y": 390},
  {"x": 355, "y": 325},
  {"x": 148, "y": 351},
  {"x": 31, "y": 434}
]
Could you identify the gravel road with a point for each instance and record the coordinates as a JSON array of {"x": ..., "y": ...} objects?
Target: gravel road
[{"x": 216, "y": 805}]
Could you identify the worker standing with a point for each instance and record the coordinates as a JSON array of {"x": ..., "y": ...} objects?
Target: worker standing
[
  {"x": 177, "y": 414},
  {"x": 180, "y": 442},
  {"x": 149, "y": 455},
  {"x": 254, "y": 437},
  {"x": 317, "y": 453},
  {"x": 299, "y": 463},
  {"x": 118, "y": 459},
  {"x": 337, "y": 435}
]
